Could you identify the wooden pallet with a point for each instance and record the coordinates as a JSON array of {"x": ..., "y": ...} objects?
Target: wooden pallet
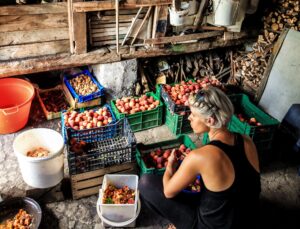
[{"x": 89, "y": 183}]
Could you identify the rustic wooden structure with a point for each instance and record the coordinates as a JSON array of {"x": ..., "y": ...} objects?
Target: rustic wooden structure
[
  {"x": 89, "y": 183},
  {"x": 37, "y": 38}
]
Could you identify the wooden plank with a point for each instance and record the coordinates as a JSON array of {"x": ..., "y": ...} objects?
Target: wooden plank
[
  {"x": 117, "y": 24},
  {"x": 80, "y": 33},
  {"x": 141, "y": 25},
  {"x": 41, "y": 64},
  {"x": 110, "y": 5},
  {"x": 52, "y": 8},
  {"x": 108, "y": 42},
  {"x": 108, "y": 31},
  {"x": 89, "y": 183},
  {"x": 31, "y": 22},
  {"x": 34, "y": 50},
  {"x": 107, "y": 38},
  {"x": 86, "y": 192},
  {"x": 33, "y": 36},
  {"x": 174, "y": 39},
  {"x": 123, "y": 12},
  {"x": 48, "y": 63},
  {"x": 70, "y": 21},
  {"x": 123, "y": 18},
  {"x": 109, "y": 25}
]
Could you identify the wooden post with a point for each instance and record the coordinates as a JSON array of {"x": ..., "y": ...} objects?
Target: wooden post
[
  {"x": 117, "y": 25},
  {"x": 70, "y": 20}
]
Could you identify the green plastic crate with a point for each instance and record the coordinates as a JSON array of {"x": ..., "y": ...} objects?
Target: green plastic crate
[
  {"x": 142, "y": 120},
  {"x": 178, "y": 124},
  {"x": 259, "y": 134},
  {"x": 262, "y": 135},
  {"x": 145, "y": 149}
]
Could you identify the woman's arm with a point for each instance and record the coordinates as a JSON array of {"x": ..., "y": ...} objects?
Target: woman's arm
[{"x": 175, "y": 182}]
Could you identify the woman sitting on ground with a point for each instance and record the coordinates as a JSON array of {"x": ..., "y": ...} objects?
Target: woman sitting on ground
[{"x": 229, "y": 170}]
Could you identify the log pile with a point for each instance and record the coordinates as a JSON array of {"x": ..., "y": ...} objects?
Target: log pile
[{"x": 248, "y": 68}]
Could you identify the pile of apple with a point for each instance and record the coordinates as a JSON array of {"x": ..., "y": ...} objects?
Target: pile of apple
[
  {"x": 251, "y": 121},
  {"x": 87, "y": 119},
  {"x": 131, "y": 105},
  {"x": 180, "y": 93},
  {"x": 159, "y": 158}
]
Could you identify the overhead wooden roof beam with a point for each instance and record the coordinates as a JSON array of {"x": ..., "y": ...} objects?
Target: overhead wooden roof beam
[{"x": 110, "y": 5}]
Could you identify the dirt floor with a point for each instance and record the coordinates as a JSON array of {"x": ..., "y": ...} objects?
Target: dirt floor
[{"x": 280, "y": 197}]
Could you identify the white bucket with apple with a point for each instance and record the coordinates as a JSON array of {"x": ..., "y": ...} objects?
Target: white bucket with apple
[{"x": 40, "y": 155}]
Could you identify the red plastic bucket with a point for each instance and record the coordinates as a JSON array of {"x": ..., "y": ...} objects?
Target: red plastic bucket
[{"x": 15, "y": 101}]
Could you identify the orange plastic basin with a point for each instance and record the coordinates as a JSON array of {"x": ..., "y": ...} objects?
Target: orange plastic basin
[{"x": 15, "y": 101}]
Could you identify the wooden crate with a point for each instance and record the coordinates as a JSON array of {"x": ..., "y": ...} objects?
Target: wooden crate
[
  {"x": 76, "y": 105},
  {"x": 89, "y": 183}
]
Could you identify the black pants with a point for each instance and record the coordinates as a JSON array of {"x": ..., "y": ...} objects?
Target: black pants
[{"x": 180, "y": 210}]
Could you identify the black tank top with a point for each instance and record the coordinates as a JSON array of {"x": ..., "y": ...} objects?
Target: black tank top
[{"x": 238, "y": 206}]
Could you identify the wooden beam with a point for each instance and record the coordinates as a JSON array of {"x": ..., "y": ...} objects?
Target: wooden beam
[
  {"x": 33, "y": 50},
  {"x": 33, "y": 36},
  {"x": 31, "y": 22},
  {"x": 80, "y": 33},
  {"x": 175, "y": 39},
  {"x": 21, "y": 67},
  {"x": 52, "y": 8},
  {"x": 110, "y": 5},
  {"x": 117, "y": 25},
  {"x": 42, "y": 64}
]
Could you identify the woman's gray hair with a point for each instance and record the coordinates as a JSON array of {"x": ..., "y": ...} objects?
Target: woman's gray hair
[{"x": 212, "y": 102}]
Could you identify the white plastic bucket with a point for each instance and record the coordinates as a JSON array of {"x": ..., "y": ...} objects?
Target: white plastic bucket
[
  {"x": 119, "y": 212},
  {"x": 42, "y": 172},
  {"x": 127, "y": 223},
  {"x": 225, "y": 12},
  {"x": 177, "y": 18}
]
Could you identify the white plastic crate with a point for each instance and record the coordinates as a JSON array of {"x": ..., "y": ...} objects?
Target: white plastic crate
[{"x": 119, "y": 212}]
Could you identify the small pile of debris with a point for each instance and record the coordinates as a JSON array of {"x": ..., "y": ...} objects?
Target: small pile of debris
[{"x": 249, "y": 68}]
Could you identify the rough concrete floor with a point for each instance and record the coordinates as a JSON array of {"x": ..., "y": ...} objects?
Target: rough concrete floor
[{"x": 280, "y": 188}]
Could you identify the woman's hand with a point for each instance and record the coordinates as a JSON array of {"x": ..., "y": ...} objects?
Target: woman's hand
[{"x": 172, "y": 162}]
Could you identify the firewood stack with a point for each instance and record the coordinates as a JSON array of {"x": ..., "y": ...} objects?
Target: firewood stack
[{"x": 248, "y": 68}]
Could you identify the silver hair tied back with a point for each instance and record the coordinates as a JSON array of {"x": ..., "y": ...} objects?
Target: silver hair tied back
[{"x": 212, "y": 102}]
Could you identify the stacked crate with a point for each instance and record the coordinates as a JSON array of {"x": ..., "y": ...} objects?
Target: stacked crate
[
  {"x": 96, "y": 151},
  {"x": 176, "y": 116},
  {"x": 81, "y": 101},
  {"x": 142, "y": 120}
]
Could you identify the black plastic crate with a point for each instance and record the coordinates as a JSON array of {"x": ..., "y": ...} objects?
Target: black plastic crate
[
  {"x": 173, "y": 107},
  {"x": 101, "y": 154},
  {"x": 93, "y": 134}
]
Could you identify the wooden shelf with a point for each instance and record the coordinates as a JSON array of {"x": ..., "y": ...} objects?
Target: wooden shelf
[{"x": 105, "y": 55}]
